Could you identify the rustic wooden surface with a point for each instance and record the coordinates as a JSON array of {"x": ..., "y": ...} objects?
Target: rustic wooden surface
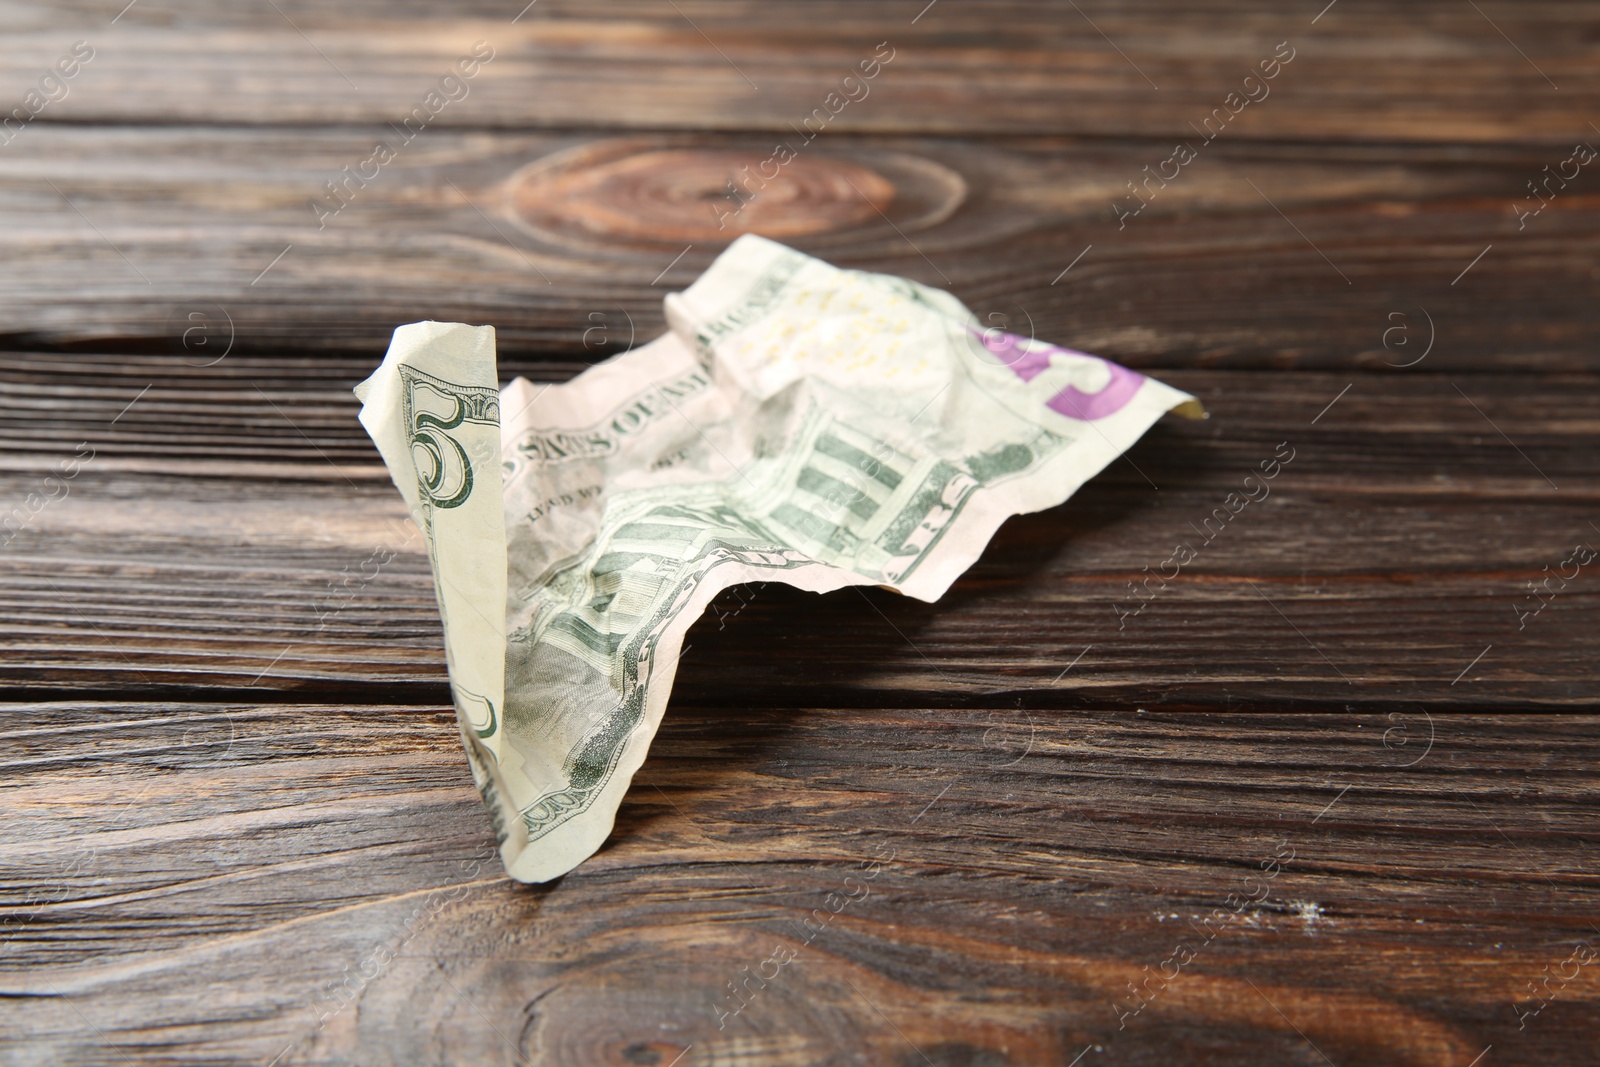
[{"x": 1328, "y": 799}]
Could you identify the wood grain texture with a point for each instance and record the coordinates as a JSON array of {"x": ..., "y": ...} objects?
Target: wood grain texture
[
  {"x": 1254, "y": 256},
  {"x": 1412, "y": 874},
  {"x": 1362, "y": 71},
  {"x": 235, "y": 530},
  {"x": 1329, "y": 797}
]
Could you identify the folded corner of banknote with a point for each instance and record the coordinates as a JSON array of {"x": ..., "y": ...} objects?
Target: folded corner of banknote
[{"x": 797, "y": 423}]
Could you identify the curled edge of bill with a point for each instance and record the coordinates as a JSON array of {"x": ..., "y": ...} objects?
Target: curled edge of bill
[
  {"x": 462, "y": 559},
  {"x": 437, "y": 395}
]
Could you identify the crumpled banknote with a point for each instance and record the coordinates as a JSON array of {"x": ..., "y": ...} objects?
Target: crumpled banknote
[{"x": 797, "y": 423}]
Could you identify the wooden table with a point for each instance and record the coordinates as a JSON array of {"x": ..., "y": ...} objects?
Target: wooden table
[{"x": 1330, "y": 797}]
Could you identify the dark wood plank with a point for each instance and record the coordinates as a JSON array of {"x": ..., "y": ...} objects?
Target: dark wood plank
[
  {"x": 1309, "y": 805},
  {"x": 1363, "y": 70},
  {"x": 1376, "y": 889},
  {"x": 217, "y": 224},
  {"x": 235, "y": 530}
]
